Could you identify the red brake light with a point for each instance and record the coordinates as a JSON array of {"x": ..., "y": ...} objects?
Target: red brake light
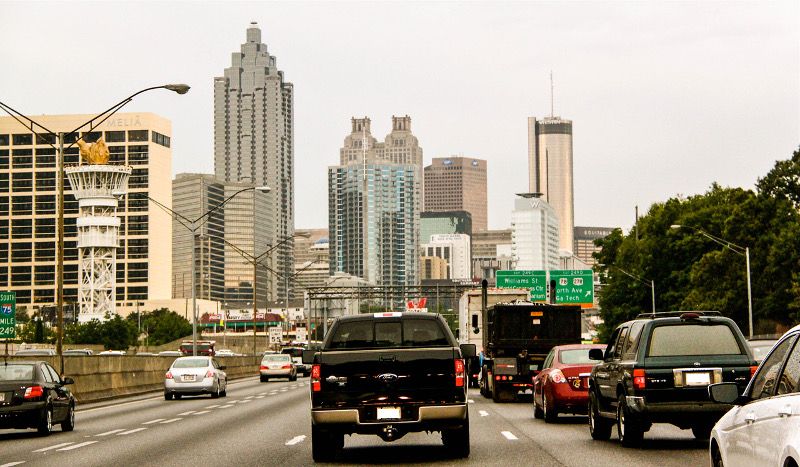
[
  {"x": 168, "y": 375},
  {"x": 316, "y": 372},
  {"x": 33, "y": 392},
  {"x": 753, "y": 370},
  {"x": 638, "y": 378},
  {"x": 209, "y": 374},
  {"x": 286, "y": 367},
  {"x": 264, "y": 367},
  {"x": 557, "y": 376},
  {"x": 459, "y": 367}
]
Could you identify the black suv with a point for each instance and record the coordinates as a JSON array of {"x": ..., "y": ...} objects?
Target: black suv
[{"x": 657, "y": 368}]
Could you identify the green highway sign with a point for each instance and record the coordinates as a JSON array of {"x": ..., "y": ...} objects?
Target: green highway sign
[
  {"x": 536, "y": 281},
  {"x": 573, "y": 286},
  {"x": 8, "y": 315}
]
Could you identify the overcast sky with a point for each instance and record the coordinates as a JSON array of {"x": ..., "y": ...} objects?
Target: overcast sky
[{"x": 665, "y": 97}]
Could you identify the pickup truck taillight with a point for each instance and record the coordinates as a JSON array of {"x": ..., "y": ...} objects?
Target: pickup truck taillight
[
  {"x": 316, "y": 382},
  {"x": 459, "y": 367},
  {"x": 638, "y": 378},
  {"x": 753, "y": 371},
  {"x": 33, "y": 392}
]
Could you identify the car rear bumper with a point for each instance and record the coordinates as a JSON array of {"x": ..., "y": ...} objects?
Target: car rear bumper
[
  {"x": 570, "y": 400},
  {"x": 21, "y": 416},
  {"x": 279, "y": 373},
  {"x": 426, "y": 414},
  {"x": 638, "y": 404},
  {"x": 197, "y": 387}
]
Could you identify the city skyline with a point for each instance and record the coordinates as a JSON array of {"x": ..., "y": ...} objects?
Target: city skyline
[{"x": 693, "y": 102}]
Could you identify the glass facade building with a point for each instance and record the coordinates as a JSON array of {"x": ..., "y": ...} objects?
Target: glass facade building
[{"x": 448, "y": 222}]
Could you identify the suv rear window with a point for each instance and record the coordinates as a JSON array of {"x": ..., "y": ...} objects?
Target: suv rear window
[
  {"x": 693, "y": 339},
  {"x": 386, "y": 334}
]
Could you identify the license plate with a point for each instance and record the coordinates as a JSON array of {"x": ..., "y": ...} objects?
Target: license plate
[
  {"x": 388, "y": 413},
  {"x": 697, "y": 379},
  {"x": 188, "y": 377}
]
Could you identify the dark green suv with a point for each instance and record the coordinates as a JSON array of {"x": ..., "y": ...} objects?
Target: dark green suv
[{"x": 657, "y": 368}]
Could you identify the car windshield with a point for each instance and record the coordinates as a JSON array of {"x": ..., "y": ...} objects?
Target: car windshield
[
  {"x": 693, "y": 339},
  {"x": 190, "y": 363},
  {"x": 382, "y": 334},
  {"x": 16, "y": 373},
  {"x": 575, "y": 356},
  {"x": 277, "y": 358}
]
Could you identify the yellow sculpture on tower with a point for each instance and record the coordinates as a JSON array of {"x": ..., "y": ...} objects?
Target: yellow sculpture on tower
[{"x": 96, "y": 153}]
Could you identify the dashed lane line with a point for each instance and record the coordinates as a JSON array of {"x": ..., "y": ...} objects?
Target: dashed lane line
[
  {"x": 135, "y": 430},
  {"x": 111, "y": 432},
  {"x": 170, "y": 420},
  {"x": 154, "y": 421},
  {"x": 295, "y": 440},
  {"x": 226, "y": 406},
  {"x": 483, "y": 413},
  {"x": 12, "y": 464},
  {"x": 249, "y": 397},
  {"x": 52, "y": 447},
  {"x": 189, "y": 412},
  {"x": 262, "y": 394},
  {"x": 201, "y": 412},
  {"x": 471, "y": 401},
  {"x": 76, "y": 446},
  {"x": 213, "y": 406},
  {"x": 245, "y": 402},
  {"x": 259, "y": 397},
  {"x": 509, "y": 435}
]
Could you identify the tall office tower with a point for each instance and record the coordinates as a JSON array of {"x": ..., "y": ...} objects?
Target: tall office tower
[
  {"x": 584, "y": 242},
  {"x": 491, "y": 252},
  {"x": 457, "y": 184},
  {"x": 254, "y": 139},
  {"x": 534, "y": 234},
  {"x": 455, "y": 250},
  {"x": 28, "y": 209},
  {"x": 192, "y": 196},
  {"x": 311, "y": 260},
  {"x": 374, "y": 205},
  {"x": 446, "y": 222},
  {"x": 550, "y": 170}
]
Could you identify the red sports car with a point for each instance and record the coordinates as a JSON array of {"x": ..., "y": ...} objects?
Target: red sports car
[{"x": 562, "y": 384}]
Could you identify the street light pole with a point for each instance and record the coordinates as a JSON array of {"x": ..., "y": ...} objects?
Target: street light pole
[
  {"x": 95, "y": 122},
  {"x": 744, "y": 251},
  {"x": 652, "y": 283}
]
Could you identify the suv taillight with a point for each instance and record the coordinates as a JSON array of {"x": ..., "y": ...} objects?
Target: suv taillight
[
  {"x": 459, "y": 367},
  {"x": 753, "y": 371},
  {"x": 33, "y": 392},
  {"x": 316, "y": 383},
  {"x": 638, "y": 379}
]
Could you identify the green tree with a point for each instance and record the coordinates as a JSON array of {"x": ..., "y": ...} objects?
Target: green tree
[
  {"x": 118, "y": 334},
  {"x": 84, "y": 333},
  {"x": 783, "y": 181},
  {"x": 22, "y": 315},
  {"x": 163, "y": 326}
]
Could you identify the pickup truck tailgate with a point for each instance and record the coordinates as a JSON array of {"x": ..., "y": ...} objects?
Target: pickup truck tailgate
[{"x": 383, "y": 376}]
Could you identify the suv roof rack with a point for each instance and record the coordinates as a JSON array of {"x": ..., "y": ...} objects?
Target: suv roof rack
[{"x": 676, "y": 314}]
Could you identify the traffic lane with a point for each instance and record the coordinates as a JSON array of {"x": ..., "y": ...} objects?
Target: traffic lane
[
  {"x": 126, "y": 415},
  {"x": 569, "y": 441}
]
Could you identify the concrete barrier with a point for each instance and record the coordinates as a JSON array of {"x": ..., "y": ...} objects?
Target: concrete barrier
[{"x": 99, "y": 378}]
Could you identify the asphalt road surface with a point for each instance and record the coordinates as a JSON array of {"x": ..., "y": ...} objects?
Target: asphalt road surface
[{"x": 262, "y": 424}]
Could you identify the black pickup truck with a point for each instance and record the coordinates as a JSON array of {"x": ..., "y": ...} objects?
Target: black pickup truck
[{"x": 388, "y": 374}]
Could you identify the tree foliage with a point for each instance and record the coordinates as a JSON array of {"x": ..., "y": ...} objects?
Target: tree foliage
[
  {"x": 112, "y": 334},
  {"x": 692, "y": 272},
  {"x": 783, "y": 181},
  {"x": 162, "y": 326}
]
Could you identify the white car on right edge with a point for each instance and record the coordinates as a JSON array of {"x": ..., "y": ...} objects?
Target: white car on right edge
[{"x": 763, "y": 427}]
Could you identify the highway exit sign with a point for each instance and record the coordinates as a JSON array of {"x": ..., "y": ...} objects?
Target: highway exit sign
[
  {"x": 8, "y": 315},
  {"x": 573, "y": 286},
  {"x": 536, "y": 281}
]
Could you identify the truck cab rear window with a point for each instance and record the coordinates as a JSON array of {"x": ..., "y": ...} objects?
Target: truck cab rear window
[
  {"x": 385, "y": 334},
  {"x": 693, "y": 339}
]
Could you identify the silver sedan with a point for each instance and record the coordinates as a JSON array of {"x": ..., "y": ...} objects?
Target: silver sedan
[
  {"x": 277, "y": 366},
  {"x": 195, "y": 375}
]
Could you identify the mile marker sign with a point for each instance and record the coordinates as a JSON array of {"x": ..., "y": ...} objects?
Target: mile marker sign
[{"x": 8, "y": 315}]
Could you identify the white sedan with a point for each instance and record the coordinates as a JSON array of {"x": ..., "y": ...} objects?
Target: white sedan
[
  {"x": 763, "y": 427},
  {"x": 195, "y": 375}
]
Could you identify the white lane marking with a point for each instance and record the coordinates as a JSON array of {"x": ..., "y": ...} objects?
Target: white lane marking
[
  {"x": 12, "y": 464},
  {"x": 52, "y": 447},
  {"x": 471, "y": 401},
  {"x": 135, "y": 430},
  {"x": 245, "y": 402},
  {"x": 249, "y": 397},
  {"x": 76, "y": 446},
  {"x": 483, "y": 413},
  {"x": 201, "y": 412},
  {"x": 509, "y": 435},
  {"x": 284, "y": 389},
  {"x": 259, "y": 397},
  {"x": 170, "y": 420},
  {"x": 154, "y": 421},
  {"x": 213, "y": 406},
  {"x": 262, "y": 394},
  {"x": 295, "y": 440},
  {"x": 226, "y": 406},
  {"x": 111, "y": 432},
  {"x": 187, "y": 412}
]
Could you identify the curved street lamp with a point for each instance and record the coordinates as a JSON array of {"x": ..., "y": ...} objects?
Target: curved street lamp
[
  {"x": 740, "y": 250},
  {"x": 49, "y": 135}
]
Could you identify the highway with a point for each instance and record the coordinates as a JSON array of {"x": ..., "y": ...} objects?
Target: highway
[{"x": 268, "y": 424}]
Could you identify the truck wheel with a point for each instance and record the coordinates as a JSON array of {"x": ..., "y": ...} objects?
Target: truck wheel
[
  {"x": 325, "y": 445},
  {"x": 599, "y": 427},
  {"x": 497, "y": 395},
  {"x": 456, "y": 441},
  {"x": 629, "y": 428}
]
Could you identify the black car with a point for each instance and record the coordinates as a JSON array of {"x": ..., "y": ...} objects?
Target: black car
[
  {"x": 32, "y": 395},
  {"x": 657, "y": 369}
]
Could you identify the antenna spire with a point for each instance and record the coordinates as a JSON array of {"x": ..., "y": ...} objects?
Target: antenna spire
[{"x": 552, "y": 114}]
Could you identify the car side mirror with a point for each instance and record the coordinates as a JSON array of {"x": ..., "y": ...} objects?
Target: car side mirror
[
  {"x": 222, "y": 367},
  {"x": 468, "y": 350},
  {"x": 67, "y": 380},
  {"x": 595, "y": 354},
  {"x": 725, "y": 393},
  {"x": 308, "y": 356}
]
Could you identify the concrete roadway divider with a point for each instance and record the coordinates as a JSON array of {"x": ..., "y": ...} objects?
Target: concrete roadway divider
[{"x": 98, "y": 378}]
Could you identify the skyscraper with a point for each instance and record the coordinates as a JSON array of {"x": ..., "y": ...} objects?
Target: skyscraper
[
  {"x": 254, "y": 139},
  {"x": 550, "y": 170},
  {"x": 457, "y": 184},
  {"x": 534, "y": 234},
  {"x": 374, "y": 205},
  {"x": 584, "y": 242}
]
